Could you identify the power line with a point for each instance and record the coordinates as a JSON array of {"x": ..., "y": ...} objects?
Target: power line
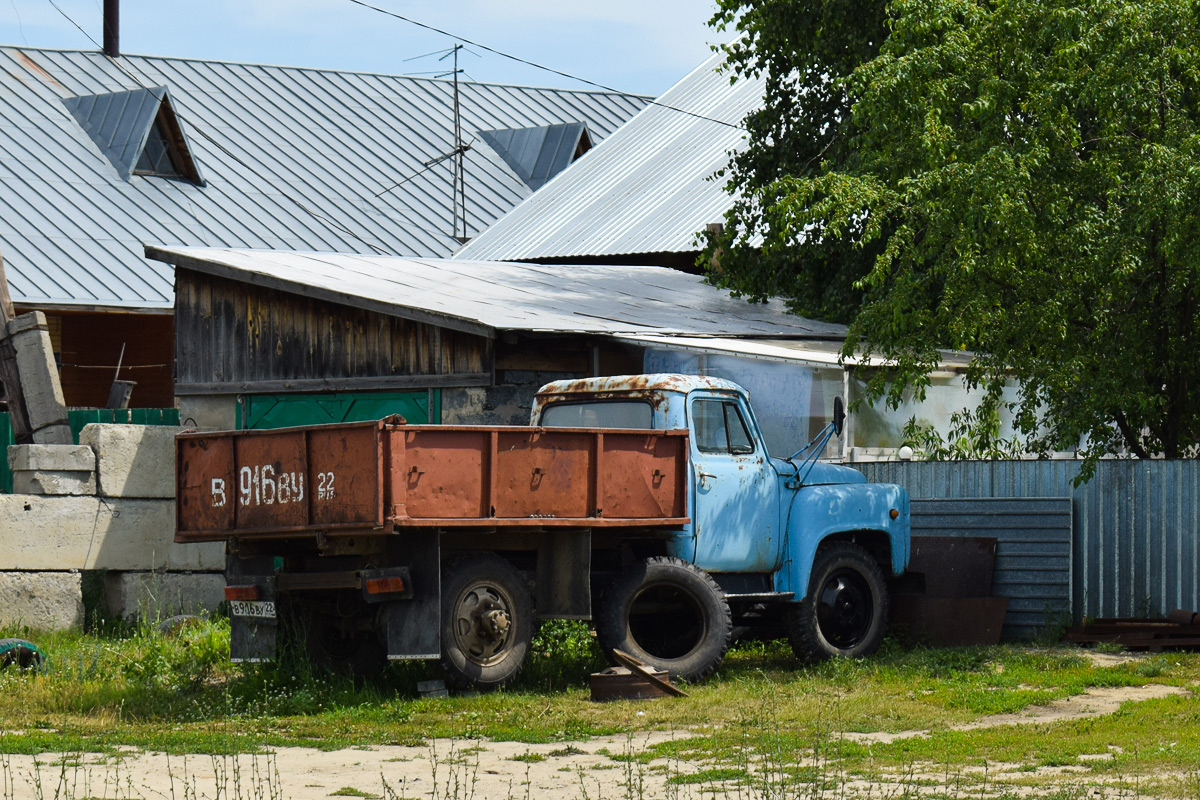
[{"x": 535, "y": 65}]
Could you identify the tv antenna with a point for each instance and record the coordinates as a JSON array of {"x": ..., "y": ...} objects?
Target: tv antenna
[
  {"x": 458, "y": 192},
  {"x": 458, "y": 165}
]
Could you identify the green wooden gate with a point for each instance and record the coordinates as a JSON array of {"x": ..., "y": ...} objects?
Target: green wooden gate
[{"x": 259, "y": 411}]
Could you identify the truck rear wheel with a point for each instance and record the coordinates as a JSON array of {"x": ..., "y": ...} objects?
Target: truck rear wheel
[
  {"x": 487, "y": 622},
  {"x": 846, "y": 607},
  {"x": 669, "y": 614}
]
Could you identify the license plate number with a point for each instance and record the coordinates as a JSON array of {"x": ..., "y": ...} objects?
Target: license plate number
[{"x": 264, "y": 609}]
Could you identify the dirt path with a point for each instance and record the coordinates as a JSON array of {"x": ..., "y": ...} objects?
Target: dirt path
[
  {"x": 1094, "y": 703},
  {"x": 457, "y": 769}
]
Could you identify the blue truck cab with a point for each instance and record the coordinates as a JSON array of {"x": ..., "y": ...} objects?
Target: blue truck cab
[{"x": 796, "y": 540}]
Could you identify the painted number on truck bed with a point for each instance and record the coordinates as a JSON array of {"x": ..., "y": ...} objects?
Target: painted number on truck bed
[{"x": 263, "y": 486}]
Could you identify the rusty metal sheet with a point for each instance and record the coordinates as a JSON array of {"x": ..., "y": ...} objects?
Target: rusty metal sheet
[
  {"x": 293, "y": 479},
  {"x": 954, "y": 566},
  {"x": 271, "y": 485},
  {"x": 949, "y": 621},
  {"x": 345, "y": 465},
  {"x": 443, "y": 472},
  {"x": 640, "y": 476},
  {"x": 204, "y": 486},
  {"x": 473, "y": 475},
  {"x": 544, "y": 474},
  {"x": 381, "y": 475}
]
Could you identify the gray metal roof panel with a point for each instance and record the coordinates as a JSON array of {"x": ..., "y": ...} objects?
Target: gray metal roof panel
[
  {"x": 644, "y": 189},
  {"x": 494, "y": 296},
  {"x": 322, "y": 149}
]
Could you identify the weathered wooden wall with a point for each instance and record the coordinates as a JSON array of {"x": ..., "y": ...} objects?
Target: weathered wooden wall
[{"x": 233, "y": 337}]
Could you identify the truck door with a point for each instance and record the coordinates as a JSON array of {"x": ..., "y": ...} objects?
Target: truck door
[{"x": 734, "y": 515}]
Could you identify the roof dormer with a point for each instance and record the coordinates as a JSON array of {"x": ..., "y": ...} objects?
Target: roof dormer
[
  {"x": 138, "y": 132},
  {"x": 538, "y": 154}
]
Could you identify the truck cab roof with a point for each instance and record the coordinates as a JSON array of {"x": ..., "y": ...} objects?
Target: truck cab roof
[{"x": 657, "y": 382}]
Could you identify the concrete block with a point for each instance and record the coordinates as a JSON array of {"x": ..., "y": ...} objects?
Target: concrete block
[
  {"x": 59, "y": 533},
  {"x": 30, "y": 337},
  {"x": 58, "y": 457},
  {"x": 42, "y": 600},
  {"x": 133, "y": 460},
  {"x": 159, "y": 595},
  {"x": 54, "y": 483}
]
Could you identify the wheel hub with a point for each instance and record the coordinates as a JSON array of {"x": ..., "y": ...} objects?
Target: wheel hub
[
  {"x": 844, "y": 610},
  {"x": 496, "y": 622},
  {"x": 482, "y": 623}
]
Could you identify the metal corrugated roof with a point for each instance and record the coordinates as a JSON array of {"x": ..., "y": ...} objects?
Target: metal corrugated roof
[
  {"x": 484, "y": 296},
  {"x": 645, "y": 189},
  {"x": 322, "y": 151}
]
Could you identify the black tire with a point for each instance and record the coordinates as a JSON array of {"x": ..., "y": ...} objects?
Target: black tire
[
  {"x": 669, "y": 614},
  {"x": 845, "y": 611},
  {"x": 340, "y": 647},
  {"x": 487, "y": 622}
]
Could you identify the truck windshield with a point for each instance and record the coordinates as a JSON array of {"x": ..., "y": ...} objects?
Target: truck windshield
[{"x": 599, "y": 414}]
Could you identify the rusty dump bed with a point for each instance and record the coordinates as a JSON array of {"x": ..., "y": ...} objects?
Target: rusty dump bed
[{"x": 386, "y": 475}]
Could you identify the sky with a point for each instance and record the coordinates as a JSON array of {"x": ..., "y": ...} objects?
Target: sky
[{"x": 638, "y": 46}]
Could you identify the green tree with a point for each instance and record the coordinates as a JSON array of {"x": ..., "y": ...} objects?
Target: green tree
[
  {"x": 805, "y": 53},
  {"x": 1019, "y": 179}
]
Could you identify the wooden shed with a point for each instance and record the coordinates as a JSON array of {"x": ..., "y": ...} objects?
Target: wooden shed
[{"x": 265, "y": 339}]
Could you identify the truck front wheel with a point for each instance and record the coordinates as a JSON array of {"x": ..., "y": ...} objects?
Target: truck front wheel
[
  {"x": 846, "y": 607},
  {"x": 487, "y": 622},
  {"x": 669, "y": 614}
]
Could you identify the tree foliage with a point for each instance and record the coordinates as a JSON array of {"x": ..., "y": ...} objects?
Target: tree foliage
[{"x": 1015, "y": 178}]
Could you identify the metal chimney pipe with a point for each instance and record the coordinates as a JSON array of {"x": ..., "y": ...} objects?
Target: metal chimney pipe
[{"x": 112, "y": 28}]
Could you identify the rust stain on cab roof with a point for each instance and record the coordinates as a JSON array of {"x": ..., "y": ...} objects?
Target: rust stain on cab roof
[{"x": 619, "y": 384}]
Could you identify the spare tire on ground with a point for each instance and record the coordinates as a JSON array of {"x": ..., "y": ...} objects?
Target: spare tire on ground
[{"x": 666, "y": 613}]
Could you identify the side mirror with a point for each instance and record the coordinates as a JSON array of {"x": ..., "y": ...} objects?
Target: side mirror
[{"x": 839, "y": 415}]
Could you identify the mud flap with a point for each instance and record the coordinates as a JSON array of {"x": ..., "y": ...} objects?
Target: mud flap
[
  {"x": 414, "y": 625},
  {"x": 253, "y": 639},
  {"x": 564, "y": 567}
]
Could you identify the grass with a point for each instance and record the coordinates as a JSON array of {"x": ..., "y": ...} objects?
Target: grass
[{"x": 762, "y": 721}]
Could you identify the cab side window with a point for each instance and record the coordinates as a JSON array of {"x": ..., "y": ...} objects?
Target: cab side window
[{"x": 719, "y": 428}]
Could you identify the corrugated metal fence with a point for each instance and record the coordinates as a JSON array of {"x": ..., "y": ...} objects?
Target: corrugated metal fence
[
  {"x": 1136, "y": 548},
  {"x": 1033, "y": 552}
]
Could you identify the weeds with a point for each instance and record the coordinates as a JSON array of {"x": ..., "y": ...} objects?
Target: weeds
[{"x": 762, "y": 727}]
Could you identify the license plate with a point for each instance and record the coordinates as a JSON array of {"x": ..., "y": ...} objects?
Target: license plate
[{"x": 264, "y": 609}]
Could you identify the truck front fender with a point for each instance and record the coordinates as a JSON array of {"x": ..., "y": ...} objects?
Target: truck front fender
[{"x": 819, "y": 512}]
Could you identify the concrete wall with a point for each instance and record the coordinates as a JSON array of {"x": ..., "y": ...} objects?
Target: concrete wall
[
  {"x": 208, "y": 412},
  {"x": 96, "y": 533},
  {"x": 106, "y": 505},
  {"x": 159, "y": 595},
  {"x": 41, "y": 600}
]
